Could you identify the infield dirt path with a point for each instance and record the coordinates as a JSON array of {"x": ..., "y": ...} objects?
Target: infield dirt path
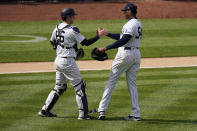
[{"x": 6, "y": 68}]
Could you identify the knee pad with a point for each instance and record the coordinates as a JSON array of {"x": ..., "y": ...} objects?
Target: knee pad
[{"x": 60, "y": 88}]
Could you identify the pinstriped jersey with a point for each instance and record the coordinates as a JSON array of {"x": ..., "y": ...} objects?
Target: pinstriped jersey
[
  {"x": 66, "y": 36},
  {"x": 134, "y": 28}
]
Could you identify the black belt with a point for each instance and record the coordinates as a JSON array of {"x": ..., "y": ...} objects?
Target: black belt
[
  {"x": 129, "y": 48},
  {"x": 68, "y": 47},
  {"x": 68, "y": 57}
]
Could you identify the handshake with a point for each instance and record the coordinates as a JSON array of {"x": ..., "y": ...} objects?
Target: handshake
[{"x": 101, "y": 32}]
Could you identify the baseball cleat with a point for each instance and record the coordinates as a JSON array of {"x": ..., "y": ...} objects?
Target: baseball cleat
[
  {"x": 101, "y": 115},
  {"x": 132, "y": 118},
  {"x": 87, "y": 117},
  {"x": 43, "y": 113}
]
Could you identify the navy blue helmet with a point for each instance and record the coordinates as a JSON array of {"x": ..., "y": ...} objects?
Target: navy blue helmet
[{"x": 67, "y": 12}]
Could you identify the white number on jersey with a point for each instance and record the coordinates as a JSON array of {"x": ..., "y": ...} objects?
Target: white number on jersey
[{"x": 60, "y": 36}]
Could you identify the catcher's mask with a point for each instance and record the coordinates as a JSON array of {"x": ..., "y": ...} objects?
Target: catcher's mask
[{"x": 95, "y": 54}]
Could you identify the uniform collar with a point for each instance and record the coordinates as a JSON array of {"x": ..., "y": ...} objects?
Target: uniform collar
[
  {"x": 63, "y": 25},
  {"x": 132, "y": 18}
]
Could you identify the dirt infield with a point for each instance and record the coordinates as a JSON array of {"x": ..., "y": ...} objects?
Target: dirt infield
[
  {"x": 30, "y": 67},
  {"x": 94, "y": 10}
]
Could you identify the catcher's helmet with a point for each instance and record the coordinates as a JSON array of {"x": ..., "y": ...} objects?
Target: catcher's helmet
[
  {"x": 130, "y": 6},
  {"x": 98, "y": 55},
  {"x": 67, "y": 12}
]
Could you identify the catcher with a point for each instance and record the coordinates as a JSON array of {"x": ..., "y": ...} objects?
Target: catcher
[{"x": 64, "y": 40}]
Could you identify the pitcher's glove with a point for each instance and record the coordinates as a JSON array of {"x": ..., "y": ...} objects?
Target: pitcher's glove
[
  {"x": 80, "y": 53},
  {"x": 97, "y": 55}
]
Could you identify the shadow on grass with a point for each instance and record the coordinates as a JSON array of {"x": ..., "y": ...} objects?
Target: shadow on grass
[
  {"x": 114, "y": 119},
  {"x": 96, "y": 118},
  {"x": 67, "y": 117},
  {"x": 149, "y": 121},
  {"x": 162, "y": 121},
  {"x": 155, "y": 121}
]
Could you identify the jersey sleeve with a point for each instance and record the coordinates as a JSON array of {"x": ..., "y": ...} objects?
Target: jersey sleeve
[
  {"x": 78, "y": 36},
  {"x": 53, "y": 36},
  {"x": 128, "y": 29},
  {"x": 125, "y": 38}
]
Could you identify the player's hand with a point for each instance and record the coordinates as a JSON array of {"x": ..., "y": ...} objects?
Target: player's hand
[
  {"x": 101, "y": 32},
  {"x": 102, "y": 50}
]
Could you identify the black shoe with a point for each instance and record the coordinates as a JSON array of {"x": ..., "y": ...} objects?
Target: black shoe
[
  {"x": 101, "y": 115},
  {"x": 132, "y": 118},
  {"x": 43, "y": 113},
  {"x": 87, "y": 117}
]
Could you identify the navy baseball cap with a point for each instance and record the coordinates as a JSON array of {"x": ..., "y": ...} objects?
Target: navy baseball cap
[{"x": 130, "y": 6}]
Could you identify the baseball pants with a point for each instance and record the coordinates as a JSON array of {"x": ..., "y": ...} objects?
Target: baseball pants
[{"x": 125, "y": 61}]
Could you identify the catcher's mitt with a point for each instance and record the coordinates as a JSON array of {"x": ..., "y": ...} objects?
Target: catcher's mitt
[
  {"x": 95, "y": 54},
  {"x": 54, "y": 44},
  {"x": 80, "y": 53}
]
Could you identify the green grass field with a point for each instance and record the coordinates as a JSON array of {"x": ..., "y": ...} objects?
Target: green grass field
[
  {"x": 167, "y": 96},
  {"x": 161, "y": 38},
  {"x": 167, "y": 99}
]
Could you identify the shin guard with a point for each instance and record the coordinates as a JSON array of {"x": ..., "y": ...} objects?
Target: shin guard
[{"x": 81, "y": 99}]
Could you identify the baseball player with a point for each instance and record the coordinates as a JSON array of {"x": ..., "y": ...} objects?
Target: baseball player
[
  {"x": 65, "y": 39},
  {"x": 127, "y": 60}
]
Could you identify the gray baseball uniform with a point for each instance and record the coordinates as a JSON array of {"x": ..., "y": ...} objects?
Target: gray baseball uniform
[
  {"x": 127, "y": 60},
  {"x": 64, "y": 40},
  {"x": 66, "y": 37}
]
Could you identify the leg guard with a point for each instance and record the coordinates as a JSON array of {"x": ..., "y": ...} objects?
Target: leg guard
[
  {"x": 81, "y": 99},
  {"x": 53, "y": 97}
]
